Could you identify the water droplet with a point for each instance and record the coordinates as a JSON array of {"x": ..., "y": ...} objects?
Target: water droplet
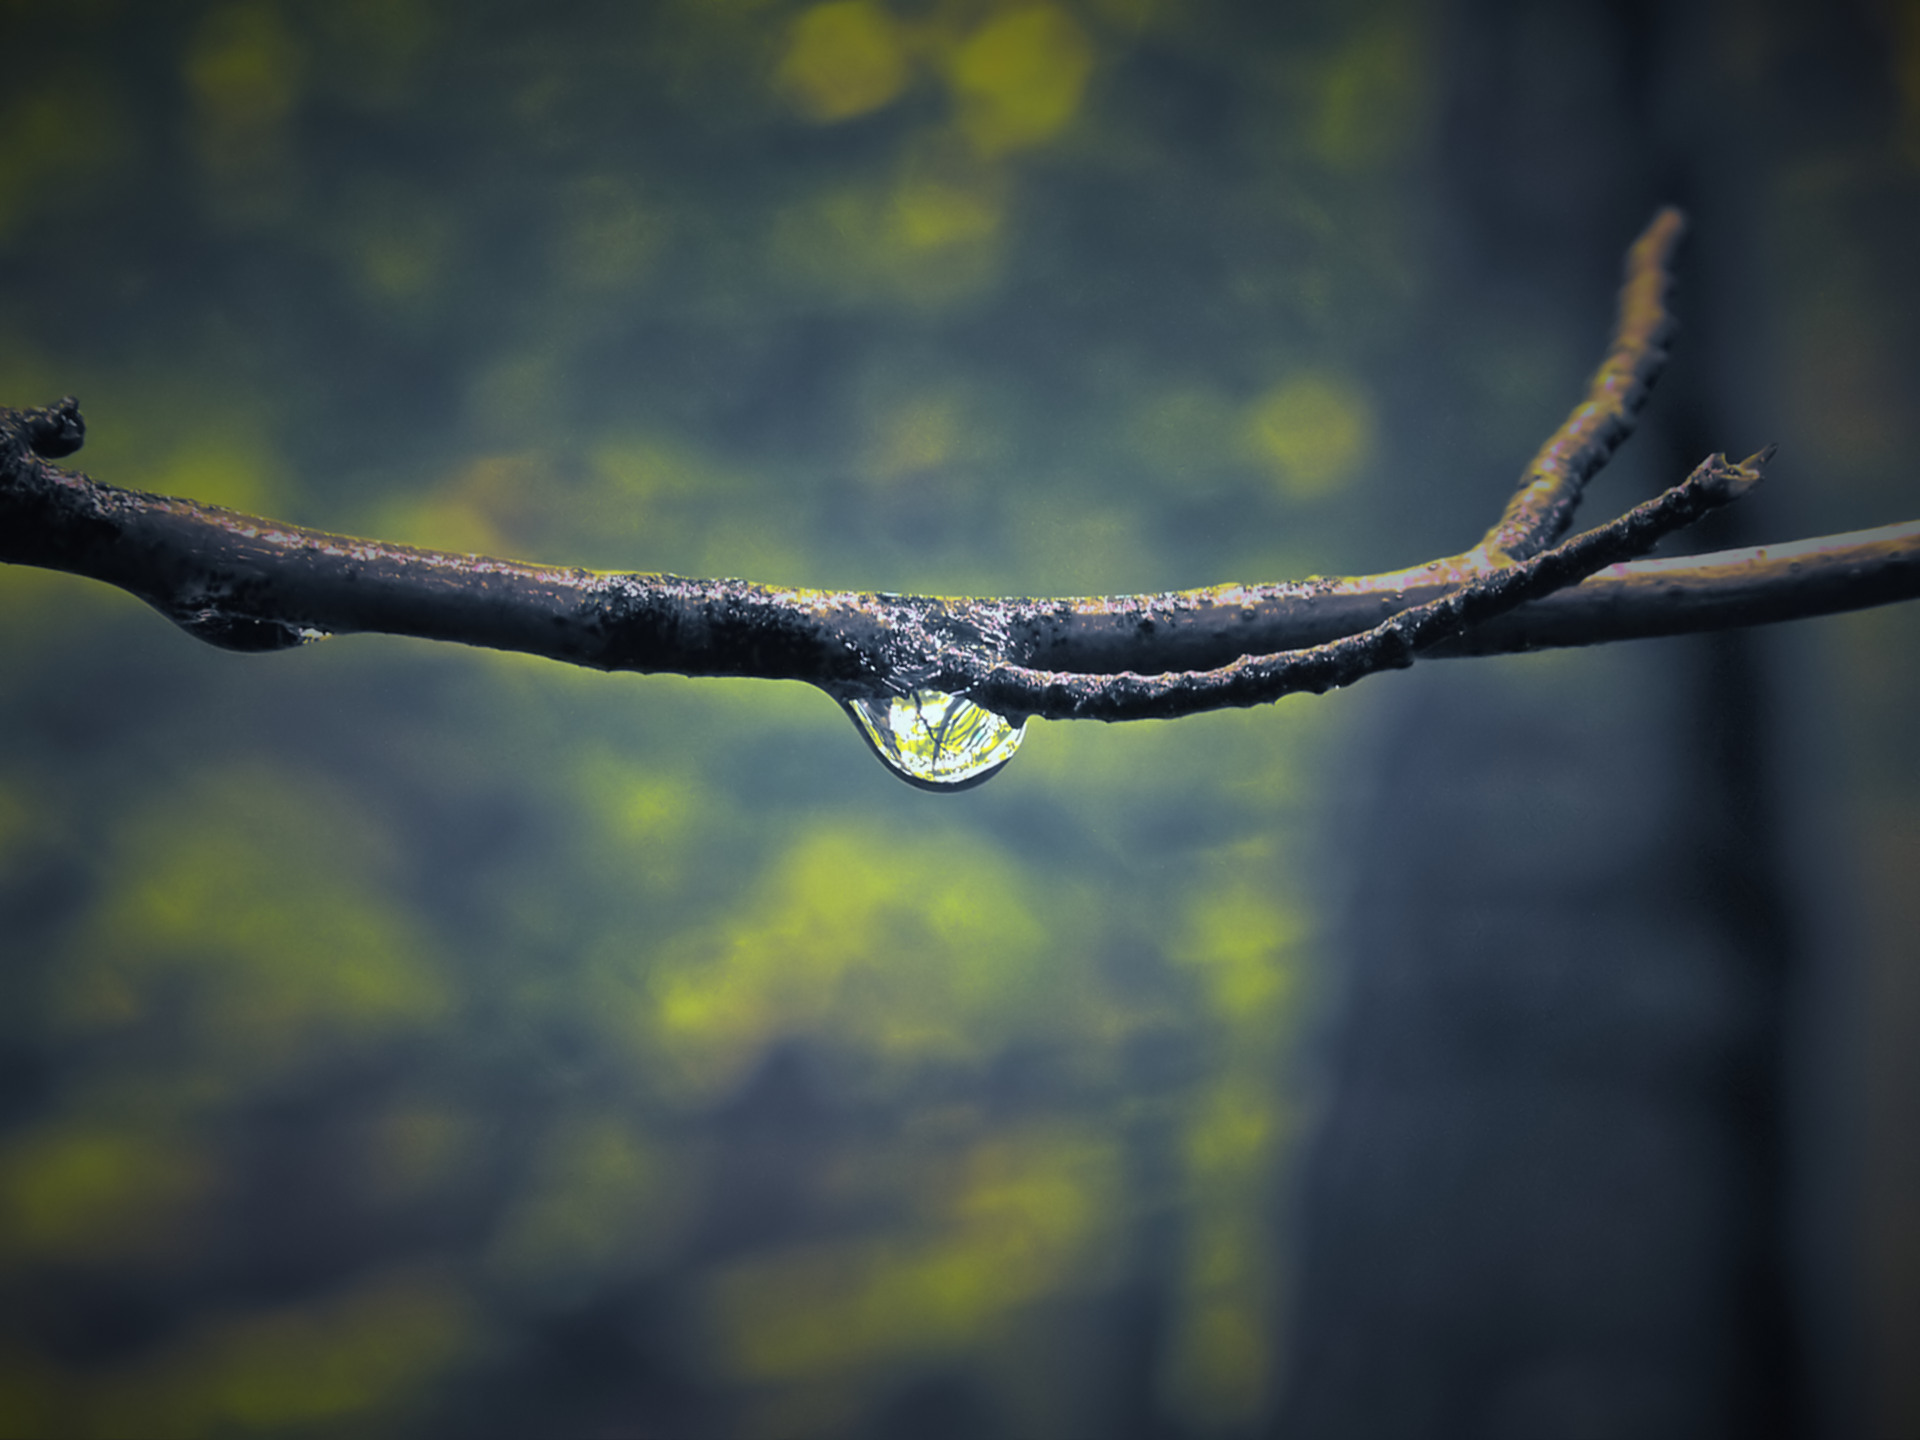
[{"x": 934, "y": 740}]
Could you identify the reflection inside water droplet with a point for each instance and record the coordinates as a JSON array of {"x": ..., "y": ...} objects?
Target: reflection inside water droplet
[{"x": 935, "y": 740}]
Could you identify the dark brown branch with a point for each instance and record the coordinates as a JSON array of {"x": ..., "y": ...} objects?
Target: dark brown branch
[
  {"x": 1392, "y": 644},
  {"x": 251, "y": 584},
  {"x": 1759, "y": 586},
  {"x": 1204, "y": 629}
]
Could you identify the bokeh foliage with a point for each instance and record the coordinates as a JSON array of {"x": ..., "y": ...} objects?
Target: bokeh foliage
[{"x": 398, "y": 1037}]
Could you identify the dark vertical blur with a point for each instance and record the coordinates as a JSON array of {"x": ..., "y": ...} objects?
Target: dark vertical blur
[
  {"x": 1584, "y": 1159},
  {"x": 401, "y": 1040}
]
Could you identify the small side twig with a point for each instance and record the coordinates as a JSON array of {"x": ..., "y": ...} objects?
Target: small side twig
[
  {"x": 1392, "y": 644},
  {"x": 1549, "y": 493},
  {"x": 250, "y": 584}
]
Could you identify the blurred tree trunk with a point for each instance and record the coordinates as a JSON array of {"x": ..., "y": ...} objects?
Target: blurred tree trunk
[
  {"x": 1555, "y": 1189},
  {"x": 1577, "y": 1174}
]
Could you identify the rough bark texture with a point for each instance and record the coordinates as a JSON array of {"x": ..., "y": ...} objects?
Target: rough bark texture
[{"x": 250, "y": 584}]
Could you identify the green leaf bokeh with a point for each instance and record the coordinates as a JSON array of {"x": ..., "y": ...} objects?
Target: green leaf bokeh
[{"x": 397, "y": 1036}]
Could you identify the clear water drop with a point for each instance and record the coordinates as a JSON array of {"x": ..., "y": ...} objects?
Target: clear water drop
[{"x": 934, "y": 740}]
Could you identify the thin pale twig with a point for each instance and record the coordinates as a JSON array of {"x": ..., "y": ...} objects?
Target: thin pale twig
[{"x": 1542, "y": 508}]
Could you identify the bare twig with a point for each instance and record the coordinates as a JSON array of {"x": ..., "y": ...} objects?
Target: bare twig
[
  {"x": 1392, "y": 644},
  {"x": 1550, "y": 490},
  {"x": 250, "y": 584}
]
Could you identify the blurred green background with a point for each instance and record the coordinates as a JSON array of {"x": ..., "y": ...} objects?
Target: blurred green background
[{"x": 400, "y": 1039}]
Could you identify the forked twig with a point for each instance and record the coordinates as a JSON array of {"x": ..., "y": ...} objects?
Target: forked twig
[
  {"x": 1392, "y": 644},
  {"x": 250, "y": 584}
]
